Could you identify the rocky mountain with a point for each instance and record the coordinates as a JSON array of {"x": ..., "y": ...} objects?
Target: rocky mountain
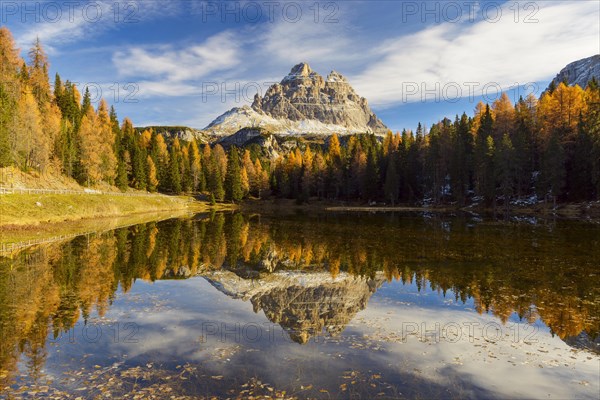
[
  {"x": 180, "y": 132},
  {"x": 580, "y": 72},
  {"x": 303, "y": 103},
  {"x": 303, "y": 303}
]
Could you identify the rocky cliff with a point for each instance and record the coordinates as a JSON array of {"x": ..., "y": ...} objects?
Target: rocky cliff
[
  {"x": 304, "y": 103},
  {"x": 580, "y": 72},
  {"x": 179, "y": 132},
  {"x": 303, "y": 303}
]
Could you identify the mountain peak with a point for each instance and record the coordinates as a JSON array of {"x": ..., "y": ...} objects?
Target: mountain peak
[
  {"x": 306, "y": 103},
  {"x": 302, "y": 69},
  {"x": 299, "y": 72},
  {"x": 335, "y": 76}
]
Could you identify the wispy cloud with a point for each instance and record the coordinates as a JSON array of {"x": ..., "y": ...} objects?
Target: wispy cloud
[
  {"x": 502, "y": 53},
  {"x": 58, "y": 23},
  {"x": 217, "y": 53},
  {"x": 367, "y": 42},
  {"x": 322, "y": 43}
]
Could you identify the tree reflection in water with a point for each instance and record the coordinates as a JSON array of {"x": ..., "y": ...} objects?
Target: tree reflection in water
[{"x": 546, "y": 272}]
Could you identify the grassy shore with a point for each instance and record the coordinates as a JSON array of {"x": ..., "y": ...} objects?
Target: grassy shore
[
  {"x": 34, "y": 216},
  {"x": 36, "y": 209},
  {"x": 66, "y": 201},
  {"x": 18, "y": 234}
]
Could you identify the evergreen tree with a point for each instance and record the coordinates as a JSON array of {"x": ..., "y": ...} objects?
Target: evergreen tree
[
  {"x": 58, "y": 89},
  {"x": 504, "y": 165},
  {"x": 185, "y": 171},
  {"x": 553, "y": 172},
  {"x": 391, "y": 187},
  {"x": 121, "y": 179},
  {"x": 174, "y": 170},
  {"x": 372, "y": 177},
  {"x": 215, "y": 178},
  {"x": 489, "y": 183},
  {"x": 233, "y": 179},
  {"x": 579, "y": 172},
  {"x": 461, "y": 159},
  {"x": 483, "y": 179}
]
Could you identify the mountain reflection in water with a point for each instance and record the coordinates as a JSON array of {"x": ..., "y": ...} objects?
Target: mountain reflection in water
[{"x": 309, "y": 274}]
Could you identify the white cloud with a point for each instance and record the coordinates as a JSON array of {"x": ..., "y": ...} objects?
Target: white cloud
[
  {"x": 306, "y": 41},
  {"x": 504, "y": 52},
  {"x": 170, "y": 65},
  {"x": 57, "y": 23},
  {"x": 377, "y": 59}
]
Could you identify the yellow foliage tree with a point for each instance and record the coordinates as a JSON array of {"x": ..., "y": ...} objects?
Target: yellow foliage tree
[
  {"x": 504, "y": 113},
  {"x": 30, "y": 142},
  {"x": 97, "y": 140},
  {"x": 152, "y": 179},
  {"x": 107, "y": 142},
  {"x": 335, "y": 151},
  {"x": 245, "y": 181},
  {"x": 262, "y": 178}
]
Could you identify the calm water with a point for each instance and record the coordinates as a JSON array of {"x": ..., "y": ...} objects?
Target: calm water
[{"x": 320, "y": 306}]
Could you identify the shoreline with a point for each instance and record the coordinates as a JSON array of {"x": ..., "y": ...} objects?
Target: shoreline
[
  {"x": 105, "y": 212},
  {"x": 26, "y": 216},
  {"x": 584, "y": 211}
]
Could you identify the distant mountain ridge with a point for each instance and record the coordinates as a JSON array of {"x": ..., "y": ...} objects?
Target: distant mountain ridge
[
  {"x": 303, "y": 103},
  {"x": 580, "y": 72},
  {"x": 180, "y": 132}
]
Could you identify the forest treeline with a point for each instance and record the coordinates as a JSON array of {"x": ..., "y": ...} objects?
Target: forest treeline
[{"x": 546, "y": 148}]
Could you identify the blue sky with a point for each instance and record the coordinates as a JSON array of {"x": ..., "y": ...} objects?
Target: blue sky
[{"x": 186, "y": 62}]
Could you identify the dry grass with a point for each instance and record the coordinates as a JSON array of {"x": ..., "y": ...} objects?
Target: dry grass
[
  {"x": 37, "y": 209},
  {"x": 12, "y": 177},
  {"x": 24, "y": 233},
  {"x": 21, "y": 219},
  {"x": 43, "y": 212}
]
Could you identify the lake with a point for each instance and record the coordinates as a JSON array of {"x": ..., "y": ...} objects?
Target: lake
[{"x": 319, "y": 305}]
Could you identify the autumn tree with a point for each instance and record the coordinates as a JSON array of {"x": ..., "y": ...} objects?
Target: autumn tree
[
  {"x": 198, "y": 180},
  {"x": 106, "y": 137},
  {"x": 31, "y": 146},
  {"x": 152, "y": 177},
  {"x": 9, "y": 96},
  {"x": 261, "y": 178},
  {"x": 38, "y": 73},
  {"x": 334, "y": 164}
]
